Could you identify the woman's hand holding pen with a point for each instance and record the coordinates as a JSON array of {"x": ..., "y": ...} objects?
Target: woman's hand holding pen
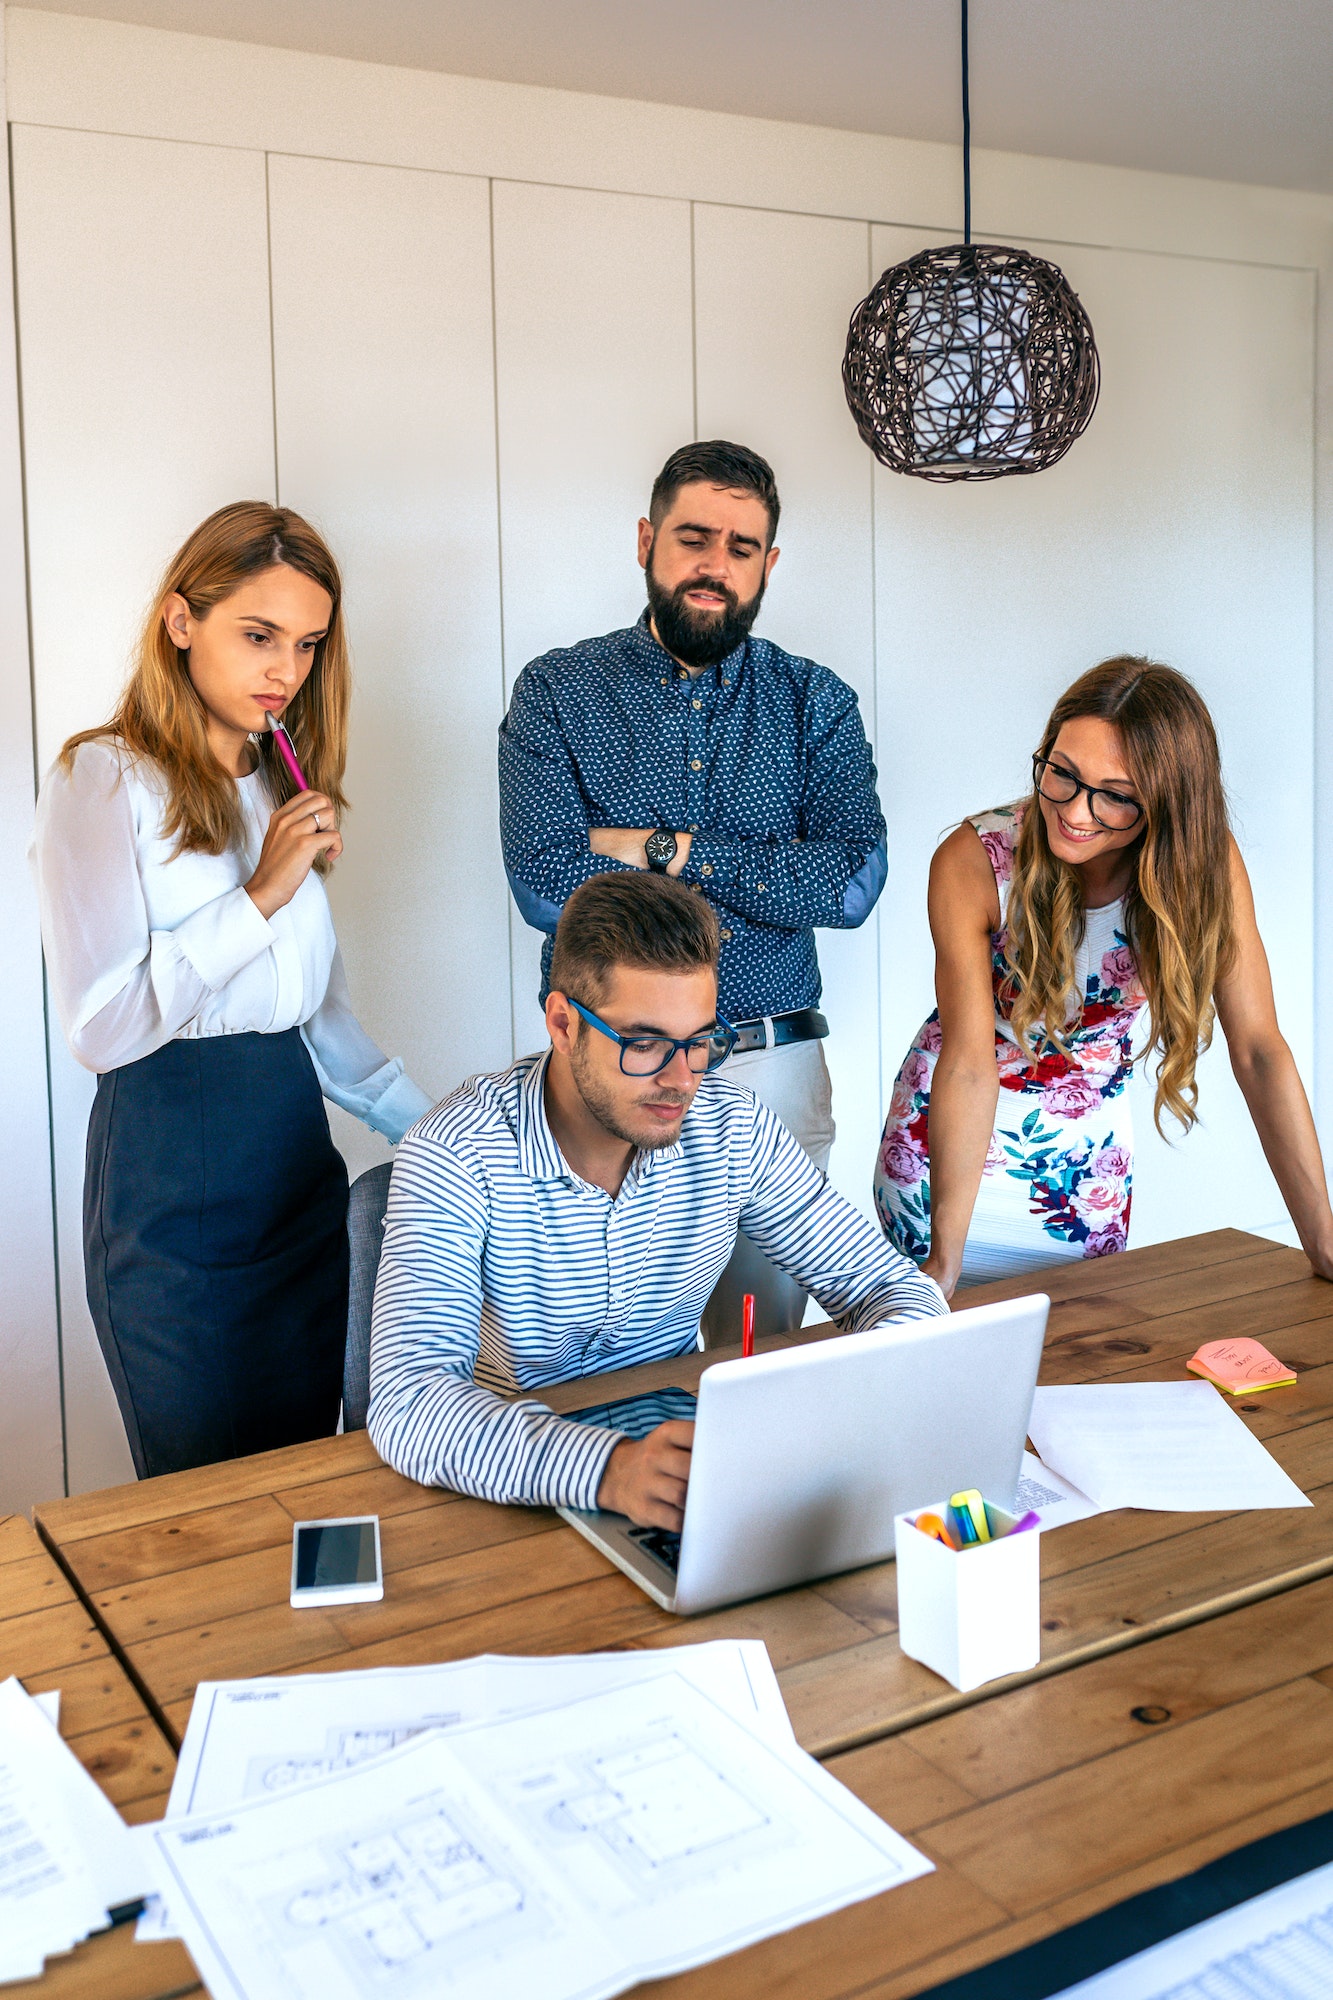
[
  {"x": 647, "y": 1479},
  {"x": 300, "y": 831}
]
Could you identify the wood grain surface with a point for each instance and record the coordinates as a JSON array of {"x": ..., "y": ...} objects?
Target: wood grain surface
[
  {"x": 48, "y": 1639},
  {"x": 1042, "y": 1799},
  {"x": 190, "y": 1573}
]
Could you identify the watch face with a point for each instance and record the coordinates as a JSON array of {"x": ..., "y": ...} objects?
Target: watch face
[{"x": 660, "y": 847}]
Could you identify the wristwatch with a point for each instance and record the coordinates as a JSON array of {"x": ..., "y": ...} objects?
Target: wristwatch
[{"x": 660, "y": 847}]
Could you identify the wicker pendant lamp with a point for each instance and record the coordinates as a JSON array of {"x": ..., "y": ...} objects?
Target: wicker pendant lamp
[{"x": 971, "y": 361}]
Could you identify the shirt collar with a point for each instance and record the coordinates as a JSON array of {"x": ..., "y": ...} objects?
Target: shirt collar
[
  {"x": 538, "y": 1155},
  {"x": 541, "y": 1159}
]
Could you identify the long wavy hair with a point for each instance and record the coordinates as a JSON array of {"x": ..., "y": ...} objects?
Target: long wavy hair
[
  {"x": 1178, "y": 917},
  {"x": 160, "y": 717}
]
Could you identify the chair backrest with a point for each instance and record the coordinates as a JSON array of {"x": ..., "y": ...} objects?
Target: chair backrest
[{"x": 365, "y": 1229}]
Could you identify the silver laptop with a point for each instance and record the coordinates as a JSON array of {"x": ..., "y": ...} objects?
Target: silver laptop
[{"x": 802, "y": 1457}]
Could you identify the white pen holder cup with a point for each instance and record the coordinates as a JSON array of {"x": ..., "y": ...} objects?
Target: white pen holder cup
[{"x": 974, "y": 1614}]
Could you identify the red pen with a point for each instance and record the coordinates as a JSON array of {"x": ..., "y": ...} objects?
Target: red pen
[
  {"x": 747, "y": 1325},
  {"x": 286, "y": 752}
]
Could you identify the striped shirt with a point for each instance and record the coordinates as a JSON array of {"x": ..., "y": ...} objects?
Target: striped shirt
[{"x": 503, "y": 1271}]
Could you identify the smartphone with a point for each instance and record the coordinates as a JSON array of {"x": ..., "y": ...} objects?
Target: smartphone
[{"x": 337, "y": 1562}]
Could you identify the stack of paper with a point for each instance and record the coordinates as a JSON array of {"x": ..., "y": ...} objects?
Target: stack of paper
[
  {"x": 1168, "y": 1445},
  {"x": 66, "y": 1856},
  {"x": 254, "y": 1738},
  {"x": 568, "y": 1853}
]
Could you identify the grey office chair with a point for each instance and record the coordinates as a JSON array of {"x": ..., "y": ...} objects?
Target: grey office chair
[{"x": 365, "y": 1230}]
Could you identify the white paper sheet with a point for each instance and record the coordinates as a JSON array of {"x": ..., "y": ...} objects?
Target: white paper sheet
[
  {"x": 252, "y": 1738},
  {"x": 255, "y": 1738},
  {"x": 1172, "y": 1446},
  {"x": 49, "y": 1703},
  {"x": 1278, "y": 1946},
  {"x": 66, "y": 1856},
  {"x": 1043, "y": 1492},
  {"x": 568, "y": 1853}
]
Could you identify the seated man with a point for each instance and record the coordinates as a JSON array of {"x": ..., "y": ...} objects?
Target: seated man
[{"x": 571, "y": 1215}]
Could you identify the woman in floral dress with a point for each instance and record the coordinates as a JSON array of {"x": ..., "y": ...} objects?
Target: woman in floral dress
[{"x": 1113, "y": 902}]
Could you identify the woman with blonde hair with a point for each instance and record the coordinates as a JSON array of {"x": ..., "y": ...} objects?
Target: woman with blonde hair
[
  {"x": 194, "y": 967},
  {"x": 1104, "y": 920}
]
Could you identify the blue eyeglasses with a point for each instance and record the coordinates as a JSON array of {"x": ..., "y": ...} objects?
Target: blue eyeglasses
[{"x": 648, "y": 1055}]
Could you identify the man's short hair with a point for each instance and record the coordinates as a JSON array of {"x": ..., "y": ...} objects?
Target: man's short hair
[
  {"x": 641, "y": 920},
  {"x": 716, "y": 463}
]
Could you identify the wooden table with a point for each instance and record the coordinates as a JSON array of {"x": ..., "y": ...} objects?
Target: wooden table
[
  {"x": 48, "y": 1639},
  {"x": 1042, "y": 1797}
]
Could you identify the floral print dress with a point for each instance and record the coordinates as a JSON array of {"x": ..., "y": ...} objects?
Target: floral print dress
[{"x": 1056, "y": 1183}]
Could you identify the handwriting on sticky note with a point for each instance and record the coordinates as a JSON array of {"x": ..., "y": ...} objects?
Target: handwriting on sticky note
[{"x": 1241, "y": 1367}]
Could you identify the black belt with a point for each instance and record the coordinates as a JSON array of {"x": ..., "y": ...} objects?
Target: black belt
[{"x": 807, "y": 1024}]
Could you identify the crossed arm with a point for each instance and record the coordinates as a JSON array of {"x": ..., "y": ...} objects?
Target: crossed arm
[{"x": 831, "y": 876}]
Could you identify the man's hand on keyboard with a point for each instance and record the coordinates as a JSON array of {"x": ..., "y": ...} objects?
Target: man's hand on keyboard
[{"x": 647, "y": 1479}]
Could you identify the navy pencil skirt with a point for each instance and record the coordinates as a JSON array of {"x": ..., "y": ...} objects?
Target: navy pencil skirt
[{"x": 215, "y": 1248}]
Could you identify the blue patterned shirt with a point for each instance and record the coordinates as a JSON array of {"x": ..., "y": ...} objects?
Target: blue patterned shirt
[
  {"x": 503, "y": 1270},
  {"x": 762, "y": 759}
]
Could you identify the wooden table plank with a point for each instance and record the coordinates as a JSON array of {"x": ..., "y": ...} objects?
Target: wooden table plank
[
  {"x": 1033, "y": 1829},
  {"x": 190, "y": 1573},
  {"x": 1038, "y": 1798},
  {"x": 49, "y": 1641},
  {"x": 112, "y": 1966}
]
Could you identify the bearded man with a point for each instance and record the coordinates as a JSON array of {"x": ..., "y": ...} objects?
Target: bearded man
[{"x": 687, "y": 747}]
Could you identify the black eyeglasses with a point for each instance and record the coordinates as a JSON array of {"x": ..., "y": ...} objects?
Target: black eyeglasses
[
  {"x": 648, "y": 1055},
  {"x": 1118, "y": 813}
]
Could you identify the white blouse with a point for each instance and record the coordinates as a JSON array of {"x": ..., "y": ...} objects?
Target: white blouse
[{"x": 146, "y": 946}]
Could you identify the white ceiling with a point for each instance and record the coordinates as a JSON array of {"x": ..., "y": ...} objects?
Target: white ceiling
[{"x": 1230, "y": 89}]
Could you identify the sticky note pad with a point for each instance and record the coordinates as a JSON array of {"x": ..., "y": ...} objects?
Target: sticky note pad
[{"x": 1241, "y": 1367}]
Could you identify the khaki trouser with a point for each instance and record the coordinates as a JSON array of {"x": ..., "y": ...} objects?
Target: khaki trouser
[{"x": 794, "y": 1082}]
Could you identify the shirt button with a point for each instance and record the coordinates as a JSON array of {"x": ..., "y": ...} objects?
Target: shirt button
[
  {"x": 696, "y": 703},
  {"x": 707, "y": 868},
  {"x": 760, "y": 886},
  {"x": 664, "y": 680},
  {"x": 725, "y": 935},
  {"x": 696, "y": 763},
  {"x": 683, "y": 673},
  {"x": 693, "y": 829}
]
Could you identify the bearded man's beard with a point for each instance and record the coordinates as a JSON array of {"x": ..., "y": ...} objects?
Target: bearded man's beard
[{"x": 700, "y": 638}]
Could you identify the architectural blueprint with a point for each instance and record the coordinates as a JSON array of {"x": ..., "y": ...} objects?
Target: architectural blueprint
[
  {"x": 570, "y": 1853},
  {"x": 253, "y": 1737},
  {"x": 258, "y": 1738}
]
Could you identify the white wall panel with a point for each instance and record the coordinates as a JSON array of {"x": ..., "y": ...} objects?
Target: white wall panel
[
  {"x": 773, "y": 294},
  {"x": 143, "y": 317},
  {"x": 1180, "y": 526},
  {"x": 31, "y": 1438},
  {"x": 595, "y": 388},
  {"x": 386, "y": 437}
]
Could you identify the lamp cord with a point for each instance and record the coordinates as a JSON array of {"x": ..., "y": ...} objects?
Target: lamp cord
[{"x": 967, "y": 141}]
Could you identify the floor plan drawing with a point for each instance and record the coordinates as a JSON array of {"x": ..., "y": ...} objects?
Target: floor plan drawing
[
  {"x": 657, "y": 1808},
  {"x": 407, "y": 1906},
  {"x": 344, "y": 1746},
  {"x": 569, "y": 1851}
]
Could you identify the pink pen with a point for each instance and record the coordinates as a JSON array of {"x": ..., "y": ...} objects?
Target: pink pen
[
  {"x": 286, "y": 752},
  {"x": 1028, "y": 1521}
]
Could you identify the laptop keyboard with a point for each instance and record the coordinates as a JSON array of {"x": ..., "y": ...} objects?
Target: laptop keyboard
[{"x": 659, "y": 1542}]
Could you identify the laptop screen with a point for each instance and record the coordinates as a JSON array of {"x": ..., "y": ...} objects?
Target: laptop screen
[{"x": 637, "y": 1415}]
